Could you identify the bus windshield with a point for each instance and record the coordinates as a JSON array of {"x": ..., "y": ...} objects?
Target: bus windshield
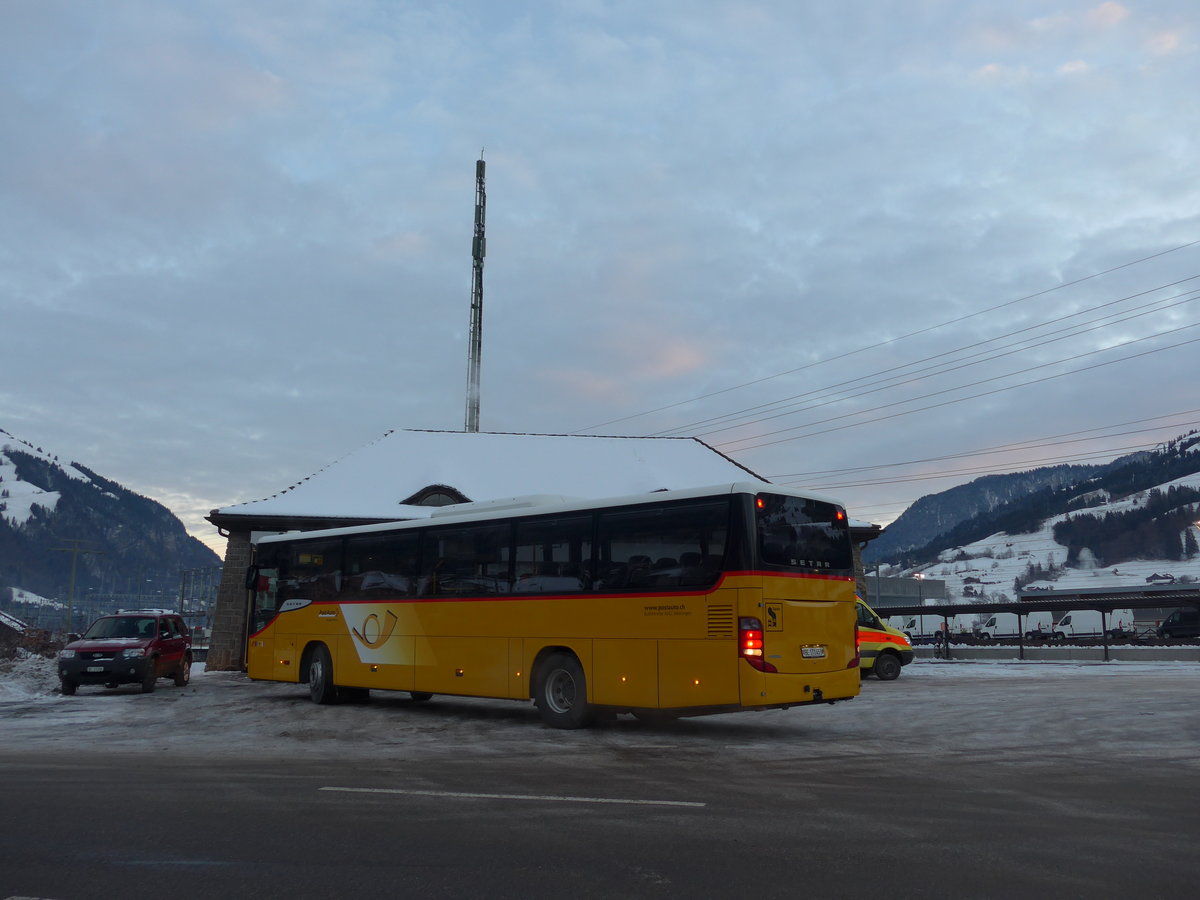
[{"x": 802, "y": 533}]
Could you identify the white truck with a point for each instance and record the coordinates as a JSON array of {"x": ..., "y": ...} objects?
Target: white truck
[
  {"x": 1089, "y": 623},
  {"x": 928, "y": 626},
  {"x": 1032, "y": 625},
  {"x": 918, "y": 627}
]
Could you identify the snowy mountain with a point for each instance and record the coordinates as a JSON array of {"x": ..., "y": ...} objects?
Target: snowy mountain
[
  {"x": 936, "y": 514},
  {"x": 1132, "y": 523},
  {"x": 123, "y": 545}
]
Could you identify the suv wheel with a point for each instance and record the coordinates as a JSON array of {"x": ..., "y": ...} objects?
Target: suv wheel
[
  {"x": 151, "y": 676},
  {"x": 69, "y": 687},
  {"x": 183, "y": 674}
]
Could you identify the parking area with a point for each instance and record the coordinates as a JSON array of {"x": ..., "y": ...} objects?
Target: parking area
[
  {"x": 957, "y": 779},
  {"x": 1000, "y": 709}
]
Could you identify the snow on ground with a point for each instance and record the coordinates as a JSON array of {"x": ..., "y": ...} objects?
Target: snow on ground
[
  {"x": 27, "y": 677},
  {"x": 1006, "y": 711}
]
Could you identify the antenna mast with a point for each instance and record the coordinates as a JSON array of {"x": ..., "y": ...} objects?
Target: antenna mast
[{"x": 475, "y": 348}]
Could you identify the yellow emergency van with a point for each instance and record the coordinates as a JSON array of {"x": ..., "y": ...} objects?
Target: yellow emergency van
[{"x": 881, "y": 649}]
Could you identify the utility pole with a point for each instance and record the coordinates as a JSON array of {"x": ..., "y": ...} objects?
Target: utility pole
[
  {"x": 478, "y": 250},
  {"x": 74, "y": 551}
]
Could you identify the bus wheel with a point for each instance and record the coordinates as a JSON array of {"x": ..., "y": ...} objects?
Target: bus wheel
[
  {"x": 320, "y": 676},
  {"x": 887, "y": 667},
  {"x": 419, "y": 696},
  {"x": 561, "y": 692}
]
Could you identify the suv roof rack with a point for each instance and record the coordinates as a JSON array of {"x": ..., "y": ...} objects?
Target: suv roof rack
[{"x": 147, "y": 612}]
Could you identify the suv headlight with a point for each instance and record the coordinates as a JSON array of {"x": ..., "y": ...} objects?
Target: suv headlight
[
  {"x": 131, "y": 652},
  {"x": 67, "y": 654}
]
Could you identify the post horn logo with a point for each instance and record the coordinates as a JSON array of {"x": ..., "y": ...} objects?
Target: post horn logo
[{"x": 371, "y": 625}]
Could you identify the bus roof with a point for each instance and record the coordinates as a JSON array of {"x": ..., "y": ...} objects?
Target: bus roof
[{"x": 542, "y": 504}]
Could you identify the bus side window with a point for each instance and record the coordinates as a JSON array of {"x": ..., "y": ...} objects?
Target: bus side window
[
  {"x": 551, "y": 555},
  {"x": 379, "y": 566},
  {"x": 314, "y": 570},
  {"x": 473, "y": 559},
  {"x": 664, "y": 548}
]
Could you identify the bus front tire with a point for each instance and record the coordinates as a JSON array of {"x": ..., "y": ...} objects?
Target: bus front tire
[
  {"x": 419, "y": 696},
  {"x": 887, "y": 667},
  {"x": 561, "y": 693},
  {"x": 320, "y": 677}
]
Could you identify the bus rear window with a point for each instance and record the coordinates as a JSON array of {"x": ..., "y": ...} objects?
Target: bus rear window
[{"x": 802, "y": 534}]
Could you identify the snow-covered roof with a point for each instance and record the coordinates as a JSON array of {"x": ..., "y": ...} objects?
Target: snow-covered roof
[
  {"x": 372, "y": 482},
  {"x": 13, "y": 622}
]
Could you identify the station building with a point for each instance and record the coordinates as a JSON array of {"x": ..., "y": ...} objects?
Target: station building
[{"x": 406, "y": 473}]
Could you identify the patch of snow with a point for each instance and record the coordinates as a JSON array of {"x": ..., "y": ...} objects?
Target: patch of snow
[
  {"x": 19, "y": 595},
  {"x": 20, "y": 497},
  {"x": 13, "y": 622},
  {"x": 985, "y": 570},
  {"x": 27, "y": 677}
]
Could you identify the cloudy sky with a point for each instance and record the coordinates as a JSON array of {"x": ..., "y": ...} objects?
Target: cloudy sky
[{"x": 853, "y": 245}]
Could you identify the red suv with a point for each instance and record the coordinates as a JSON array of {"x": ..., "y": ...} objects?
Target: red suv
[{"x": 136, "y": 646}]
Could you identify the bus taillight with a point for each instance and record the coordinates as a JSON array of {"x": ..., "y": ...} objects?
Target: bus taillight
[{"x": 750, "y": 643}]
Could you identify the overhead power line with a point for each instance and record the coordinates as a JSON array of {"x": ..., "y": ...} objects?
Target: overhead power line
[
  {"x": 1053, "y": 440},
  {"x": 728, "y": 445},
  {"x": 976, "y": 470},
  {"x": 894, "y": 340},
  {"x": 740, "y": 419}
]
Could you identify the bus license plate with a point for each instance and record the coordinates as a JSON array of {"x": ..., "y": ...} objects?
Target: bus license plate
[{"x": 812, "y": 652}]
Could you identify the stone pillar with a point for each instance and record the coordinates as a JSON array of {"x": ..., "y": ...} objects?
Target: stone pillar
[
  {"x": 860, "y": 575},
  {"x": 227, "y": 650}
]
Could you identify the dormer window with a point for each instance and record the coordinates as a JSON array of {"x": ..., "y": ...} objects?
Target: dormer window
[{"x": 435, "y": 495}]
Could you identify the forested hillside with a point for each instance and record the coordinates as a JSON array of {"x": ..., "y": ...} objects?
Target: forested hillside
[
  {"x": 936, "y": 515},
  {"x": 1156, "y": 529},
  {"x": 125, "y": 540}
]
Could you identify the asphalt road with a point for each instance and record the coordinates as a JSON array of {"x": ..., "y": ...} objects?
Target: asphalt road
[{"x": 1093, "y": 794}]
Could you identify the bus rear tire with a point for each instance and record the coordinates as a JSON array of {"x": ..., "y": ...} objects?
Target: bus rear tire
[
  {"x": 560, "y": 694},
  {"x": 320, "y": 676},
  {"x": 887, "y": 667},
  {"x": 419, "y": 696}
]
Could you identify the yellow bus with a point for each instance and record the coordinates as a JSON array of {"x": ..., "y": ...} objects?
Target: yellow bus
[{"x": 681, "y": 602}]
